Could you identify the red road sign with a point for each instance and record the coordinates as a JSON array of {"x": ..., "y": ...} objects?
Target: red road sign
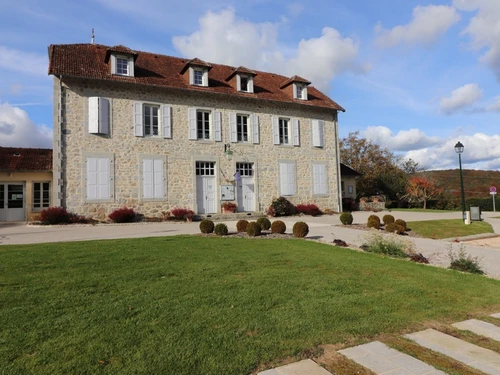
[{"x": 493, "y": 189}]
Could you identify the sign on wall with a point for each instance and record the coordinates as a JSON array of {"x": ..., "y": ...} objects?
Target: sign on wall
[{"x": 227, "y": 193}]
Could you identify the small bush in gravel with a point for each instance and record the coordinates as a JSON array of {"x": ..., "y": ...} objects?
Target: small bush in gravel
[
  {"x": 253, "y": 229},
  {"x": 221, "y": 229},
  {"x": 464, "y": 262},
  {"x": 241, "y": 225},
  {"x": 402, "y": 223},
  {"x": 54, "y": 216},
  {"x": 300, "y": 229},
  {"x": 373, "y": 223},
  {"x": 278, "y": 227},
  {"x": 346, "y": 218},
  {"x": 392, "y": 246},
  {"x": 374, "y": 218},
  {"x": 207, "y": 226},
  {"x": 394, "y": 228},
  {"x": 264, "y": 223},
  {"x": 122, "y": 215},
  {"x": 387, "y": 219}
]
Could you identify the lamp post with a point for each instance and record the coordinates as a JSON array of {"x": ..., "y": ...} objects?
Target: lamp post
[{"x": 459, "y": 148}]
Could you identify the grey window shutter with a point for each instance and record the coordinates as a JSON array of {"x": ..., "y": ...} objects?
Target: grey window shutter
[
  {"x": 295, "y": 132},
  {"x": 238, "y": 82},
  {"x": 192, "y": 123},
  {"x": 250, "y": 84},
  {"x": 131, "y": 66},
  {"x": 166, "y": 113},
  {"x": 321, "y": 126},
  {"x": 158, "y": 179},
  {"x": 94, "y": 115},
  {"x": 254, "y": 119},
  {"x": 191, "y": 76},
  {"x": 316, "y": 134},
  {"x": 113, "y": 64},
  {"x": 291, "y": 178},
  {"x": 217, "y": 126},
  {"x": 103, "y": 116},
  {"x": 147, "y": 178},
  {"x": 276, "y": 134},
  {"x": 232, "y": 127},
  {"x": 138, "y": 127}
]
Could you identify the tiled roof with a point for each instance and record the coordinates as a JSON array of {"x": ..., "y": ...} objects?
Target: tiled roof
[
  {"x": 243, "y": 70},
  {"x": 89, "y": 61},
  {"x": 14, "y": 159},
  {"x": 294, "y": 79}
]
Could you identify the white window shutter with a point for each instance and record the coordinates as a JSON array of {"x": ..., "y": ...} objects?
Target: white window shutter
[
  {"x": 91, "y": 178},
  {"x": 217, "y": 126},
  {"x": 254, "y": 119},
  {"x": 283, "y": 179},
  {"x": 166, "y": 113},
  {"x": 250, "y": 84},
  {"x": 147, "y": 179},
  {"x": 103, "y": 116},
  {"x": 104, "y": 178},
  {"x": 205, "y": 78},
  {"x": 319, "y": 179},
  {"x": 131, "y": 66},
  {"x": 191, "y": 76},
  {"x": 113, "y": 64},
  {"x": 291, "y": 178},
  {"x": 317, "y": 133},
  {"x": 276, "y": 133},
  {"x": 138, "y": 127},
  {"x": 238, "y": 82},
  {"x": 94, "y": 115},
  {"x": 158, "y": 178},
  {"x": 232, "y": 127},
  {"x": 295, "y": 132},
  {"x": 321, "y": 129},
  {"x": 192, "y": 123}
]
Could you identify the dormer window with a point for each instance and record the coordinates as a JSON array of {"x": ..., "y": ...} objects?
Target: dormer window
[
  {"x": 300, "y": 91},
  {"x": 198, "y": 77},
  {"x": 244, "y": 82},
  {"x": 122, "y": 65},
  {"x": 296, "y": 87}
]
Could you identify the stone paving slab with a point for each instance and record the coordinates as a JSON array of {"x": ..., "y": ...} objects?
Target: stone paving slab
[
  {"x": 383, "y": 360},
  {"x": 479, "y": 327},
  {"x": 305, "y": 367},
  {"x": 472, "y": 355},
  {"x": 497, "y": 315}
]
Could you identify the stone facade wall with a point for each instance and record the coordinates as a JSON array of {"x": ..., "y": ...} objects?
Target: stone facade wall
[{"x": 72, "y": 142}]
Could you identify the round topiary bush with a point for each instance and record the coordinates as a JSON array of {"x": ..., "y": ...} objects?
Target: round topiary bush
[
  {"x": 402, "y": 223},
  {"x": 207, "y": 226},
  {"x": 264, "y": 223},
  {"x": 374, "y": 218},
  {"x": 253, "y": 229},
  {"x": 221, "y": 229},
  {"x": 373, "y": 223},
  {"x": 346, "y": 218},
  {"x": 241, "y": 225},
  {"x": 278, "y": 227},
  {"x": 387, "y": 219},
  {"x": 394, "y": 228},
  {"x": 300, "y": 229},
  {"x": 282, "y": 207}
]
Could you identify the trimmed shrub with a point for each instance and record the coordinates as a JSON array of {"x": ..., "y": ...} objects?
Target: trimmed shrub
[
  {"x": 308, "y": 209},
  {"x": 241, "y": 225},
  {"x": 300, "y": 229},
  {"x": 402, "y": 223},
  {"x": 207, "y": 226},
  {"x": 278, "y": 227},
  {"x": 122, "y": 215},
  {"x": 54, "y": 215},
  {"x": 221, "y": 229},
  {"x": 180, "y": 213},
  {"x": 254, "y": 229},
  {"x": 388, "y": 219},
  {"x": 374, "y": 218},
  {"x": 394, "y": 228},
  {"x": 264, "y": 223},
  {"x": 283, "y": 207},
  {"x": 346, "y": 218},
  {"x": 373, "y": 223}
]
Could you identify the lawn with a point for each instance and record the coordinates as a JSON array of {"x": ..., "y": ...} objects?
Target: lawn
[
  {"x": 196, "y": 305},
  {"x": 448, "y": 228}
]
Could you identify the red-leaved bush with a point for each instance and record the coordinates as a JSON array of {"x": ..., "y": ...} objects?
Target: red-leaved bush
[
  {"x": 180, "y": 213},
  {"x": 54, "y": 215},
  {"x": 308, "y": 209},
  {"x": 122, "y": 215}
]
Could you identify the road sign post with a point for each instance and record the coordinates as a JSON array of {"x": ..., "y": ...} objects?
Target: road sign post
[{"x": 493, "y": 192}]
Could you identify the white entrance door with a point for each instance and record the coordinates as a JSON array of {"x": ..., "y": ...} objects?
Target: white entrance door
[
  {"x": 12, "y": 202},
  {"x": 245, "y": 187},
  {"x": 205, "y": 187}
]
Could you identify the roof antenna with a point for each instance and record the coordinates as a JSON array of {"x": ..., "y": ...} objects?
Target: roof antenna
[{"x": 92, "y": 38}]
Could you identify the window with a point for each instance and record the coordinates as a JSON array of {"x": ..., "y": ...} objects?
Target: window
[
  {"x": 350, "y": 189},
  {"x": 152, "y": 120},
  {"x": 284, "y": 131},
  {"x": 153, "y": 186},
  {"x": 244, "y": 83},
  {"x": 198, "y": 77},
  {"x": 242, "y": 128},
  {"x": 99, "y": 178},
  {"x": 99, "y": 115},
  {"x": 287, "y": 178},
  {"x": 203, "y": 124},
  {"x": 205, "y": 168},
  {"x": 300, "y": 91},
  {"x": 317, "y": 133},
  {"x": 41, "y": 195},
  {"x": 245, "y": 169},
  {"x": 121, "y": 66},
  {"x": 320, "y": 186}
]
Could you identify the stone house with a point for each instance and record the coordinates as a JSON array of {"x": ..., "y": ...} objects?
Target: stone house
[
  {"x": 155, "y": 132},
  {"x": 25, "y": 182}
]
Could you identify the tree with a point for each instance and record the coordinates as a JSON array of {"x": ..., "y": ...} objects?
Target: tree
[{"x": 421, "y": 189}]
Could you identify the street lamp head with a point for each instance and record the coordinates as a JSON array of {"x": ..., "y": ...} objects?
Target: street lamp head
[{"x": 459, "y": 147}]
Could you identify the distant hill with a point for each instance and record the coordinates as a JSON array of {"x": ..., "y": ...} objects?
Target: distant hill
[{"x": 476, "y": 183}]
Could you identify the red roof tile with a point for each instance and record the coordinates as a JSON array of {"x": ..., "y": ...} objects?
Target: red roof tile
[
  {"x": 243, "y": 70},
  {"x": 294, "y": 79},
  {"x": 14, "y": 159},
  {"x": 89, "y": 61}
]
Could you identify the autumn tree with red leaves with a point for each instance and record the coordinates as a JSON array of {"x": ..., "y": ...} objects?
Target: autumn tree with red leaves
[{"x": 421, "y": 189}]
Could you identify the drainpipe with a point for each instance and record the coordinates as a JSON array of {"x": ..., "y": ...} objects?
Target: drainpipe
[
  {"x": 337, "y": 160},
  {"x": 57, "y": 152}
]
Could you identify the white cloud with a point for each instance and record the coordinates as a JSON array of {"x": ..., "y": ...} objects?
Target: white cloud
[
  {"x": 404, "y": 140},
  {"x": 427, "y": 25},
  {"x": 18, "y": 130},
  {"x": 223, "y": 38},
  {"x": 484, "y": 29},
  {"x": 23, "y": 62},
  {"x": 461, "y": 98}
]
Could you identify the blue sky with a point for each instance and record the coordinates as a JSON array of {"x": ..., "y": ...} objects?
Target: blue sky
[{"x": 414, "y": 76}]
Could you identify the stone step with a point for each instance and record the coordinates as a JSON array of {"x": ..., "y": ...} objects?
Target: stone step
[
  {"x": 305, "y": 367},
  {"x": 381, "y": 359},
  {"x": 497, "y": 315},
  {"x": 472, "y": 355},
  {"x": 232, "y": 216},
  {"x": 479, "y": 327}
]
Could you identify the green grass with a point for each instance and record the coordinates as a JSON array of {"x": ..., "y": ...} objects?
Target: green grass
[
  {"x": 197, "y": 305},
  {"x": 421, "y": 210},
  {"x": 448, "y": 228}
]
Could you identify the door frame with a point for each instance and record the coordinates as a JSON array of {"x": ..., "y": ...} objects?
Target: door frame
[
  {"x": 202, "y": 158},
  {"x": 25, "y": 199},
  {"x": 240, "y": 159}
]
